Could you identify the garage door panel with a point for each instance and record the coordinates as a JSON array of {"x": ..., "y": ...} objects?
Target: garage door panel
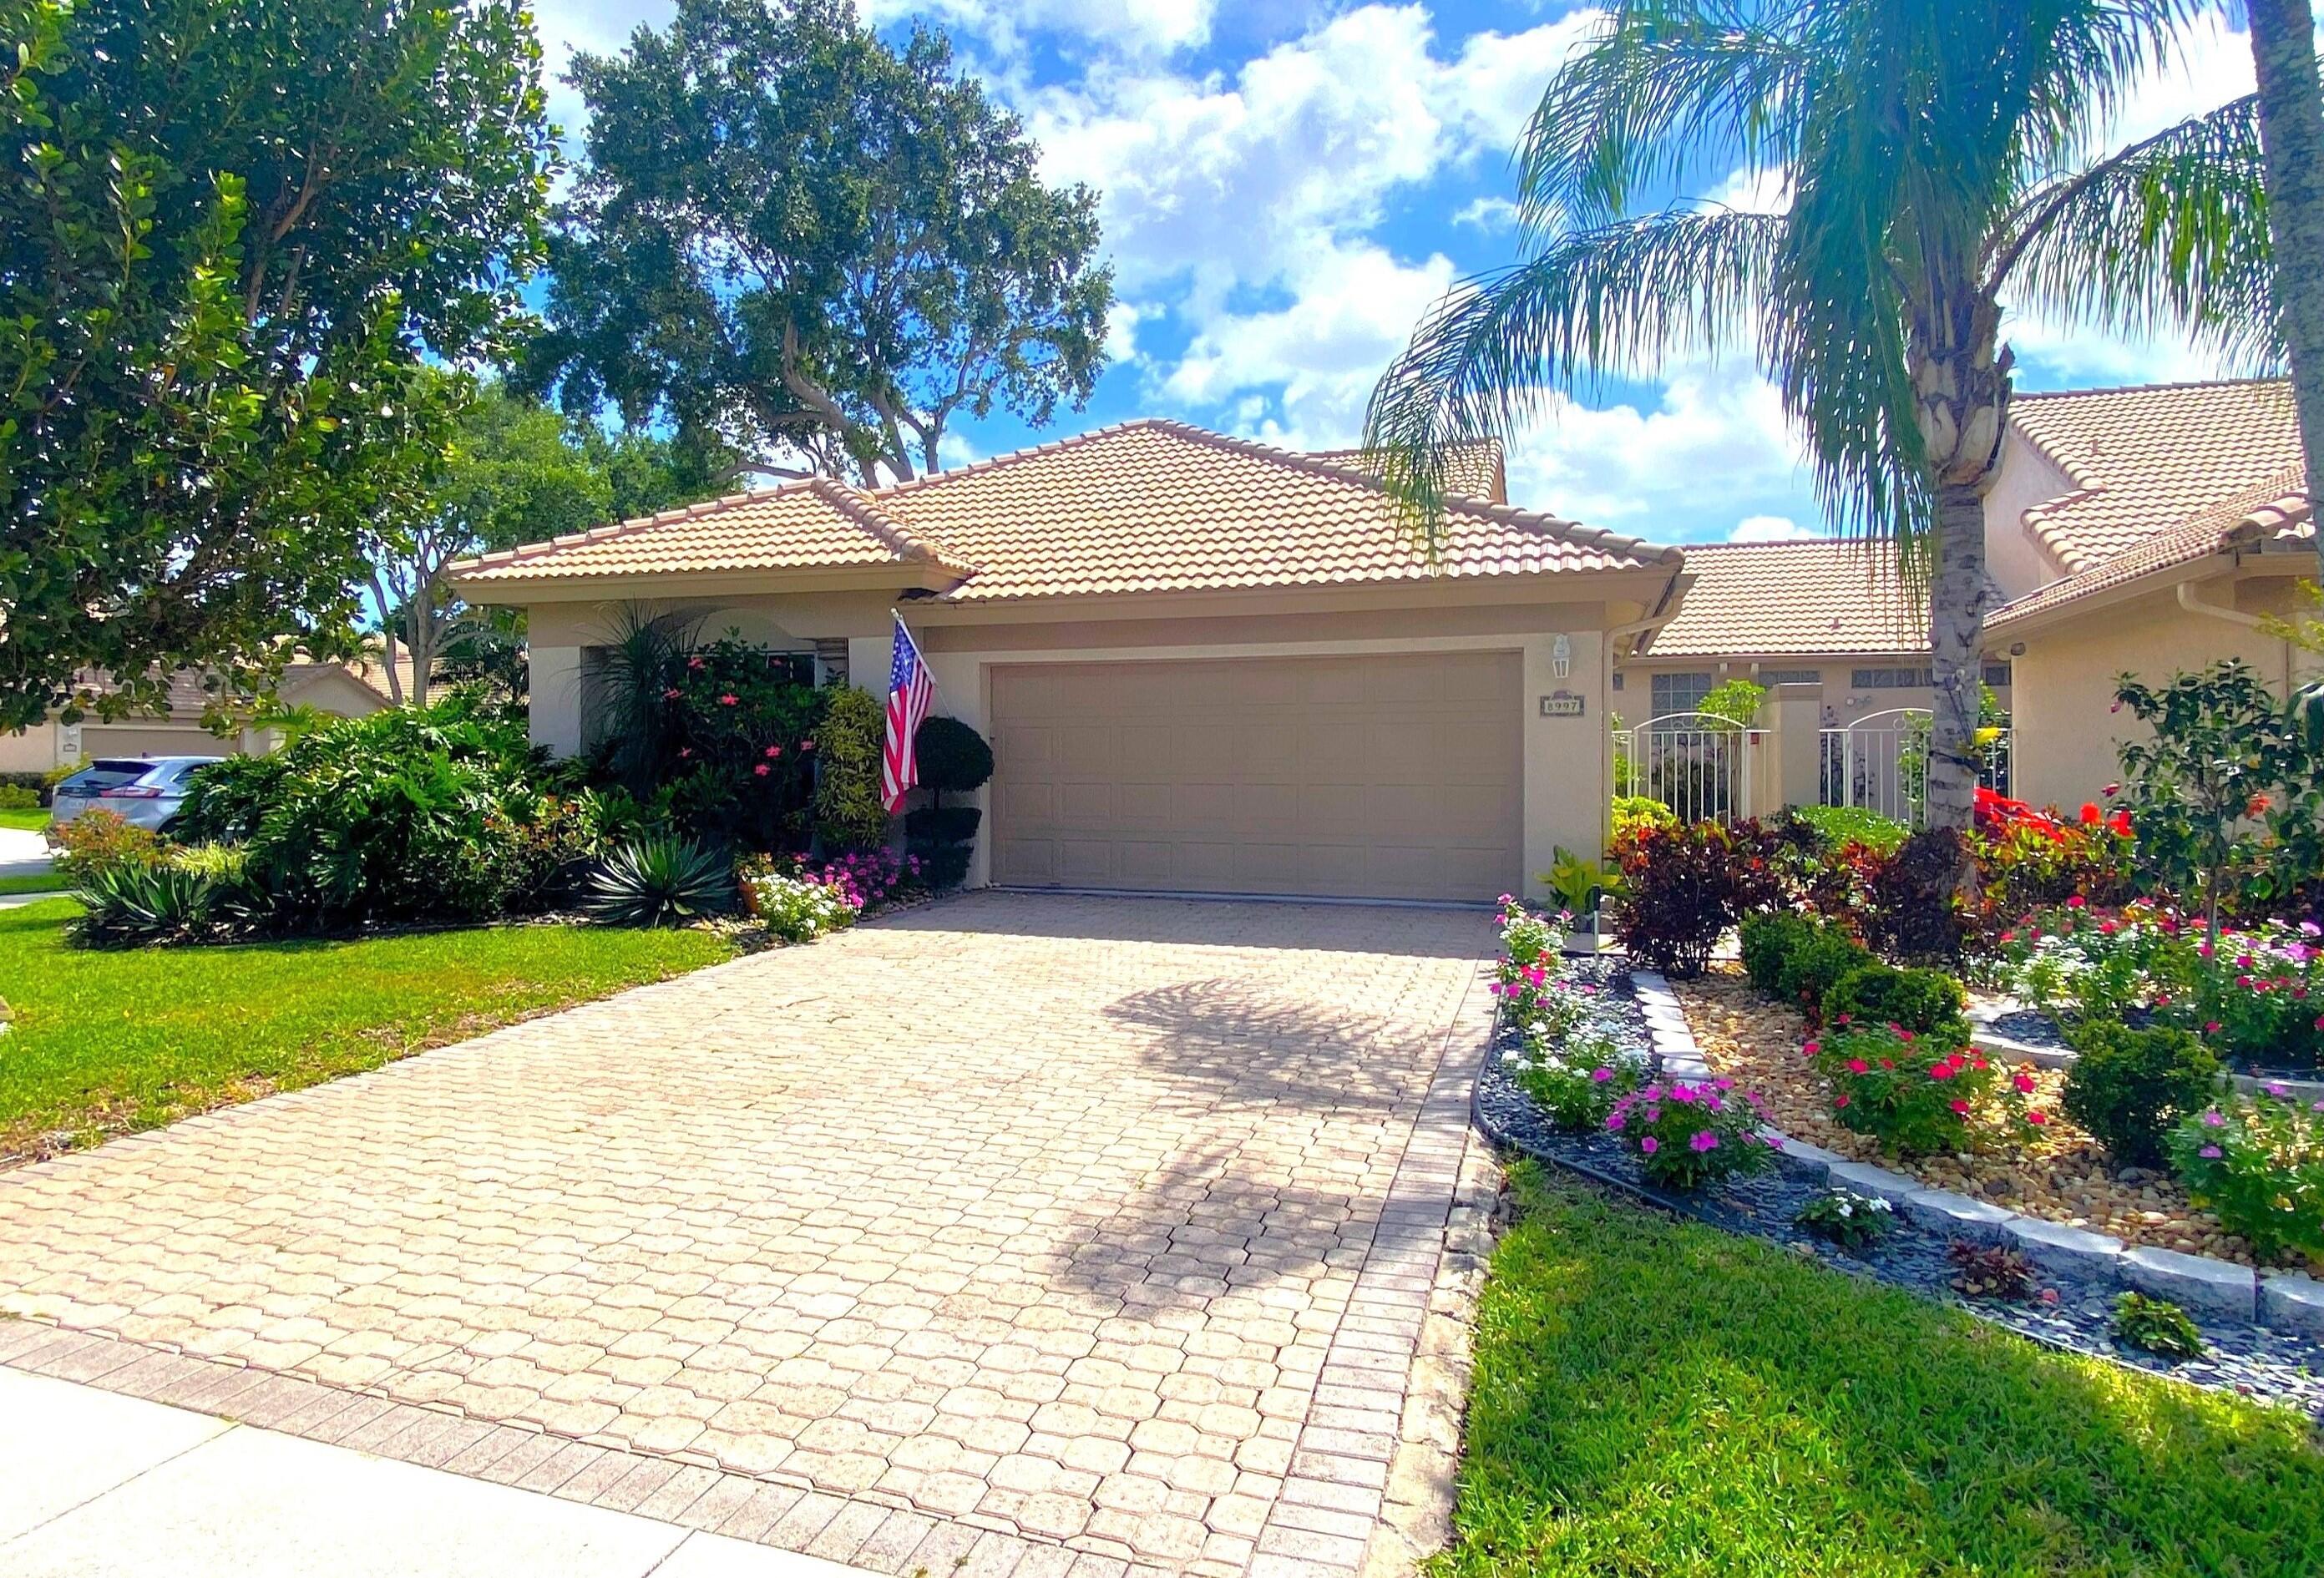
[{"x": 1389, "y": 777}]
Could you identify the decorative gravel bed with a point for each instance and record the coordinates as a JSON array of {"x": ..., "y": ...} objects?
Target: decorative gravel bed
[
  {"x": 2064, "y": 1176},
  {"x": 2244, "y": 1358}
]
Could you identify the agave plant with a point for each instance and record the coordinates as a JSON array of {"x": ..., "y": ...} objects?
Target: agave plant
[
  {"x": 661, "y": 882},
  {"x": 146, "y": 904}
]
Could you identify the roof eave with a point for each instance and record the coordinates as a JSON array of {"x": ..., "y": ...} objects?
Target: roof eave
[{"x": 905, "y": 575}]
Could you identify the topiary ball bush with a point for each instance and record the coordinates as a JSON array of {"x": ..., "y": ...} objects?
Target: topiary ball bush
[
  {"x": 953, "y": 758},
  {"x": 2131, "y": 1088},
  {"x": 1768, "y": 942},
  {"x": 1924, "y": 1002},
  {"x": 1818, "y": 964},
  {"x": 939, "y": 824}
]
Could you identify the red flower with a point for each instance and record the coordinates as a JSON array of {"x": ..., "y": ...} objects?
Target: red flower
[
  {"x": 2090, "y": 814},
  {"x": 2037, "y": 1117},
  {"x": 2256, "y": 805},
  {"x": 730, "y": 699},
  {"x": 2076, "y": 902},
  {"x": 1961, "y": 1107},
  {"x": 1839, "y": 1101},
  {"x": 2110, "y": 790}
]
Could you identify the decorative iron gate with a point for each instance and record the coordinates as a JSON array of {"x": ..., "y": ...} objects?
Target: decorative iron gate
[{"x": 1701, "y": 765}]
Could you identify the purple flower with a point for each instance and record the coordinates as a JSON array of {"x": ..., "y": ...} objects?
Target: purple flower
[
  {"x": 2214, "y": 1120},
  {"x": 1705, "y": 1140},
  {"x": 1650, "y": 1145},
  {"x": 2210, "y": 1153},
  {"x": 1601, "y": 1075}
]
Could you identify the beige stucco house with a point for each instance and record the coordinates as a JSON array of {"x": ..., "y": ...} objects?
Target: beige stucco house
[
  {"x": 337, "y": 689},
  {"x": 2142, "y": 531},
  {"x": 1205, "y": 665},
  {"x": 1819, "y": 611}
]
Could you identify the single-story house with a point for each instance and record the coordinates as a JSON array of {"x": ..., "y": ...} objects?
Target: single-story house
[
  {"x": 1814, "y": 611},
  {"x": 338, "y": 689},
  {"x": 2141, "y": 530},
  {"x": 1205, "y": 665}
]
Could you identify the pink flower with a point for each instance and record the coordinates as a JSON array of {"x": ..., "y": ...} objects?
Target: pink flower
[
  {"x": 1960, "y": 1106},
  {"x": 1705, "y": 1140},
  {"x": 2210, "y": 1027},
  {"x": 1601, "y": 1075},
  {"x": 773, "y": 752},
  {"x": 2076, "y": 902},
  {"x": 761, "y": 771},
  {"x": 671, "y": 694},
  {"x": 1649, "y": 1145},
  {"x": 1812, "y": 1048},
  {"x": 2023, "y": 1081},
  {"x": 2215, "y": 1119},
  {"x": 2210, "y": 1153},
  {"x": 1839, "y": 1101},
  {"x": 1858, "y": 1065},
  {"x": 730, "y": 699},
  {"x": 2037, "y": 1117},
  {"x": 694, "y": 662}
]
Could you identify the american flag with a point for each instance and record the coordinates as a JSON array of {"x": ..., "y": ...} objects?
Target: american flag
[{"x": 910, "y": 688}]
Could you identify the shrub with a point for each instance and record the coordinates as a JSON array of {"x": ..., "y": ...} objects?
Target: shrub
[
  {"x": 17, "y": 797},
  {"x": 147, "y": 905},
  {"x": 661, "y": 882},
  {"x": 1990, "y": 1271},
  {"x": 2087, "y": 964},
  {"x": 936, "y": 825},
  {"x": 796, "y": 909},
  {"x": 446, "y": 812},
  {"x": 1818, "y": 964},
  {"x": 1768, "y": 942},
  {"x": 1576, "y": 1085},
  {"x": 848, "y": 812},
  {"x": 1685, "y": 1136},
  {"x": 1638, "y": 813},
  {"x": 1679, "y": 895},
  {"x": 2130, "y": 1088},
  {"x": 2155, "y": 1326},
  {"x": 96, "y": 842},
  {"x": 1842, "y": 1216},
  {"x": 1915, "y": 1095},
  {"x": 2258, "y": 1163},
  {"x": 1912, "y": 910},
  {"x": 1839, "y": 825},
  {"x": 2260, "y": 994},
  {"x": 953, "y": 757},
  {"x": 1927, "y": 1003}
]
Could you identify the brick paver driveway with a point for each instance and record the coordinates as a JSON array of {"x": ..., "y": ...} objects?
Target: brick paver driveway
[{"x": 1077, "y": 1220}]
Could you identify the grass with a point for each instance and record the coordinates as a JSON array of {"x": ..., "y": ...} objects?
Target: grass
[
  {"x": 1658, "y": 1398},
  {"x": 41, "y": 882},
  {"x": 107, "y": 1041},
  {"x": 28, "y": 820}
]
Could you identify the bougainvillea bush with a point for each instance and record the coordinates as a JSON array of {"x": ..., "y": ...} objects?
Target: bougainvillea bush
[
  {"x": 1689, "y": 1134},
  {"x": 2258, "y": 1163},
  {"x": 1917, "y": 1095}
]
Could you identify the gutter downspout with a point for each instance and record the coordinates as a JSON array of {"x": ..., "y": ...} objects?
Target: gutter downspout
[{"x": 2194, "y": 605}]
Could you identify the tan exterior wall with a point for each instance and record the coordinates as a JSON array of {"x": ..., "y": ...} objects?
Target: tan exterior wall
[
  {"x": 2016, "y": 563},
  {"x": 33, "y": 749},
  {"x": 2068, "y": 732},
  {"x": 1567, "y": 765}
]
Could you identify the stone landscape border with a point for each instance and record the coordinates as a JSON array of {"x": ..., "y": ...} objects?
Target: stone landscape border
[{"x": 2286, "y": 1301}]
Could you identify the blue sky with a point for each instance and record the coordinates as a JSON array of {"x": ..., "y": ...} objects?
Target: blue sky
[{"x": 1287, "y": 184}]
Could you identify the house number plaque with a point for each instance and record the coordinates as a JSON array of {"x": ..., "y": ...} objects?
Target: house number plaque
[{"x": 1561, "y": 704}]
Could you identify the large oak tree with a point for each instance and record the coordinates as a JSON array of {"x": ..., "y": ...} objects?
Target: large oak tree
[
  {"x": 819, "y": 245},
  {"x": 230, "y": 230}
]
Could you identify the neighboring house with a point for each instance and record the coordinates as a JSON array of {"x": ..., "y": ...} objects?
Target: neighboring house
[
  {"x": 1818, "y": 611},
  {"x": 1205, "y": 664},
  {"x": 338, "y": 689},
  {"x": 2140, "y": 531}
]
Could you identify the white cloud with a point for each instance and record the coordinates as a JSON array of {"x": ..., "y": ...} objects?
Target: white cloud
[
  {"x": 1131, "y": 26},
  {"x": 1489, "y": 213},
  {"x": 1770, "y": 529}
]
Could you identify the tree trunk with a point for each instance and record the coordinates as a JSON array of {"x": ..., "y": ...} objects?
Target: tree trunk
[
  {"x": 2291, "y": 138},
  {"x": 1957, "y": 599}
]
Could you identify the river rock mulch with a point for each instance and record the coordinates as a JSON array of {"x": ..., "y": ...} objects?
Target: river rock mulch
[
  {"x": 2242, "y": 1358},
  {"x": 2063, "y": 1176}
]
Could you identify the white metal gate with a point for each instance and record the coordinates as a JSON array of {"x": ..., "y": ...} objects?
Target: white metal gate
[
  {"x": 1880, "y": 762},
  {"x": 1699, "y": 764}
]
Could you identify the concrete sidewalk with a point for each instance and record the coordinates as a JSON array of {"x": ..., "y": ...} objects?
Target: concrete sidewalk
[{"x": 104, "y": 1486}]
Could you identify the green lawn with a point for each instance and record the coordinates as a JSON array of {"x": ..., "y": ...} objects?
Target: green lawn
[
  {"x": 107, "y": 1041},
  {"x": 30, "y": 821},
  {"x": 48, "y": 883},
  {"x": 1661, "y": 1399}
]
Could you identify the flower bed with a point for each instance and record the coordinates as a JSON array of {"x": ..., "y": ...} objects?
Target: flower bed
[
  {"x": 2058, "y": 1173},
  {"x": 1523, "y": 1099}
]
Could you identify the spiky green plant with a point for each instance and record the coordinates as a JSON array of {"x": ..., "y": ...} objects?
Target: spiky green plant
[
  {"x": 662, "y": 881},
  {"x": 1936, "y": 167}
]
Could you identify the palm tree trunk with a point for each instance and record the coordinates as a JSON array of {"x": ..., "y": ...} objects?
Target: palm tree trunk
[
  {"x": 2291, "y": 138},
  {"x": 1957, "y": 598}
]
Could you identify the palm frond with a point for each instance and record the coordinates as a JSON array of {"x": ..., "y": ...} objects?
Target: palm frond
[
  {"x": 1597, "y": 303},
  {"x": 1669, "y": 88},
  {"x": 2168, "y": 235}
]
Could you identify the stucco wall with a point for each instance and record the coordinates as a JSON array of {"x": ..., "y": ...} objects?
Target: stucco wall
[
  {"x": 2013, "y": 558},
  {"x": 1842, "y": 703},
  {"x": 2068, "y": 732}
]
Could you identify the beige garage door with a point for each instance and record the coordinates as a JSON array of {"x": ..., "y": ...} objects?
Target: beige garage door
[{"x": 1386, "y": 778}]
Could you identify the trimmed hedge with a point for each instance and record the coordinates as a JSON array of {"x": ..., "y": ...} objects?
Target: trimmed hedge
[{"x": 1924, "y": 1002}]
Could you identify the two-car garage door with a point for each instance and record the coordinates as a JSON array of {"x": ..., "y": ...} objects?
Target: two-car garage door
[{"x": 1359, "y": 776}]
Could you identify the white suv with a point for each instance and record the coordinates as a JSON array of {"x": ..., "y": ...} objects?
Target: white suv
[{"x": 144, "y": 790}]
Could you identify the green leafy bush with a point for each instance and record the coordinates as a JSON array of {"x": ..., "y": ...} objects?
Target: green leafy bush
[
  {"x": 1635, "y": 813},
  {"x": 1839, "y": 826},
  {"x": 1818, "y": 964},
  {"x": 1854, "y": 1222},
  {"x": 1927, "y": 1003},
  {"x": 848, "y": 812},
  {"x": 17, "y": 797},
  {"x": 2130, "y": 1088},
  {"x": 1768, "y": 942},
  {"x": 2155, "y": 1326},
  {"x": 446, "y": 812},
  {"x": 953, "y": 758},
  {"x": 2258, "y": 1163},
  {"x": 99, "y": 841},
  {"x": 1915, "y": 1095},
  {"x": 661, "y": 882},
  {"x": 1686, "y": 1135}
]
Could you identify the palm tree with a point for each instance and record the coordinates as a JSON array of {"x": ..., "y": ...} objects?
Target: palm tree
[
  {"x": 1940, "y": 164},
  {"x": 2291, "y": 132}
]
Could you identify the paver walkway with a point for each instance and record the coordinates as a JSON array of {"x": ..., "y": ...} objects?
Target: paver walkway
[{"x": 1043, "y": 1234}]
